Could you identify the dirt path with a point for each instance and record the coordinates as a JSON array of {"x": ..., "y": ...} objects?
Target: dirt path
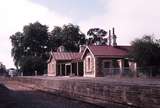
[{"x": 15, "y": 95}]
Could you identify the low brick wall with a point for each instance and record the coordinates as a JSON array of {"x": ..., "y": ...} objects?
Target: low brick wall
[{"x": 110, "y": 94}]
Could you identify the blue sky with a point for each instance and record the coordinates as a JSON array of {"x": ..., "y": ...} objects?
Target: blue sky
[{"x": 131, "y": 18}]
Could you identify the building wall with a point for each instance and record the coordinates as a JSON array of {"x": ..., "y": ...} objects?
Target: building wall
[
  {"x": 52, "y": 68},
  {"x": 133, "y": 68},
  {"x": 118, "y": 69},
  {"x": 100, "y": 70},
  {"x": 89, "y": 72},
  {"x": 61, "y": 67}
]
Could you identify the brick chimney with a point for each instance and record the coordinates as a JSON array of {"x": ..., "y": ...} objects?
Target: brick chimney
[
  {"x": 81, "y": 48},
  {"x": 61, "y": 49},
  {"x": 109, "y": 38},
  {"x": 114, "y": 37}
]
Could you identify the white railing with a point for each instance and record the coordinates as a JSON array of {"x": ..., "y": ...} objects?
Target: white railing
[
  {"x": 148, "y": 72},
  {"x": 145, "y": 72},
  {"x": 118, "y": 72}
]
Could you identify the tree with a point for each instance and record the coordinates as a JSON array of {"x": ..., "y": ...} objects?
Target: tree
[
  {"x": 146, "y": 51},
  {"x": 69, "y": 36},
  {"x": 30, "y": 48},
  {"x": 17, "y": 48},
  {"x": 96, "y": 36},
  {"x": 55, "y": 38},
  {"x": 2, "y": 69},
  {"x": 35, "y": 39},
  {"x": 33, "y": 64}
]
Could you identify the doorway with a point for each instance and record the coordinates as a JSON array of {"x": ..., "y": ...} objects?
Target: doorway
[{"x": 67, "y": 69}]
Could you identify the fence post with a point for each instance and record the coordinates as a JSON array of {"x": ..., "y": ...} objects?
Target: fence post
[
  {"x": 135, "y": 70},
  {"x": 150, "y": 73},
  {"x": 121, "y": 67}
]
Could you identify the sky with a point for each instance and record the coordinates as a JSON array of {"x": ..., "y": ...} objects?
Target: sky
[{"x": 131, "y": 18}]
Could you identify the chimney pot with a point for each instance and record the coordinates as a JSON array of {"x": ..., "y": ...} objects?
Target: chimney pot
[
  {"x": 114, "y": 37},
  {"x": 61, "y": 49},
  {"x": 110, "y": 38},
  {"x": 113, "y": 31},
  {"x": 81, "y": 48}
]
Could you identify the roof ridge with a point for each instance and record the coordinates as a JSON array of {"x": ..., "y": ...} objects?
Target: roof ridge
[
  {"x": 108, "y": 50},
  {"x": 66, "y": 52}
]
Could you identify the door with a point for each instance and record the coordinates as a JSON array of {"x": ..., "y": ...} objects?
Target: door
[{"x": 68, "y": 70}]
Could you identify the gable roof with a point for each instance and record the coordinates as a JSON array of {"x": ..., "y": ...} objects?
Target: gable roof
[
  {"x": 126, "y": 47},
  {"x": 96, "y": 50},
  {"x": 66, "y": 55},
  {"x": 108, "y": 51}
]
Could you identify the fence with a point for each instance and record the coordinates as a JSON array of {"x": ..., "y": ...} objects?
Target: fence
[
  {"x": 125, "y": 72},
  {"x": 148, "y": 72},
  {"x": 142, "y": 72}
]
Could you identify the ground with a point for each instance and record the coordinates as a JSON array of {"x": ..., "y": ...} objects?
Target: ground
[{"x": 16, "y": 95}]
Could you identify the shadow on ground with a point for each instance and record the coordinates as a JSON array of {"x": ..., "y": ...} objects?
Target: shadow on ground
[{"x": 36, "y": 99}]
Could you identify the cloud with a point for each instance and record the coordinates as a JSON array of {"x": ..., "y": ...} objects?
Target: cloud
[
  {"x": 17, "y": 13},
  {"x": 78, "y": 10},
  {"x": 131, "y": 18}
]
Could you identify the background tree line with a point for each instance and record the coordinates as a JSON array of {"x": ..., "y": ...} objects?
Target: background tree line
[
  {"x": 146, "y": 52},
  {"x": 31, "y": 48},
  {"x": 2, "y": 69}
]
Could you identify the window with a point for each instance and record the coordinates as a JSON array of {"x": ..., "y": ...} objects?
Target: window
[
  {"x": 106, "y": 64},
  {"x": 53, "y": 68},
  {"x": 50, "y": 66},
  {"x": 89, "y": 63}
]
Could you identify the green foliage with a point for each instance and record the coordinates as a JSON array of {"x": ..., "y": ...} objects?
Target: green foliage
[
  {"x": 146, "y": 51},
  {"x": 35, "y": 39},
  {"x": 69, "y": 36},
  {"x": 55, "y": 38},
  {"x": 96, "y": 36},
  {"x": 2, "y": 69},
  {"x": 17, "y": 49},
  {"x": 31, "y": 64},
  {"x": 30, "y": 48}
]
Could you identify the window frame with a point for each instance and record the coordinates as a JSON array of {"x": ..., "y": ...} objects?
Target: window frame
[
  {"x": 104, "y": 61},
  {"x": 89, "y": 63}
]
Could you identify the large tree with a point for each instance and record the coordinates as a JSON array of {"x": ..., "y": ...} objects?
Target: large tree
[
  {"x": 30, "y": 48},
  {"x": 55, "y": 38},
  {"x": 35, "y": 39},
  {"x": 2, "y": 69},
  {"x": 146, "y": 51},
  {"x": 17, "y": 48},
  {"x": 69, "y": 36},
  {"x": 96, "y": 36}
]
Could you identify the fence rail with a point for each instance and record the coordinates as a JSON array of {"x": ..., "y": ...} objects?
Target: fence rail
[
  {"x": 144, "y": 72},
  {"x": 148, "y": 72}
]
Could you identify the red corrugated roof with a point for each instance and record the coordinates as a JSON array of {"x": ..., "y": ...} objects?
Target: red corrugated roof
[
  {"x": 104, "y": 51},
  {"x": 66, "y": 55},
  {"x": 127, "y": 48},
  {"x": 108, "y": 51}
]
